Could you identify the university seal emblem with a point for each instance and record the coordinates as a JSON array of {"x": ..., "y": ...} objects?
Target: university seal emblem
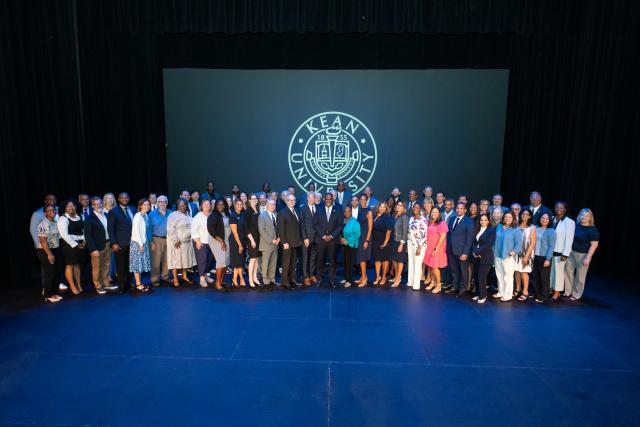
[{"x": 331, "y": 147}]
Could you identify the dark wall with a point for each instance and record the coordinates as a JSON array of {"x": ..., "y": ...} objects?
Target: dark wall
[{"x": 572, "y": 121}]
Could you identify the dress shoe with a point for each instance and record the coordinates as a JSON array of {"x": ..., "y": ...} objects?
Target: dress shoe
[
  {"x": 314, "y": 279},
  {"x": 307, "y": 281},
  {"x": 332, "y": 285}
]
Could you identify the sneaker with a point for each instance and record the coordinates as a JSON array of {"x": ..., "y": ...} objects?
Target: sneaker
[
  {"x": 63, "y": 287},
  {"x": 203, "y": 282},
  {"x": 538, "y": 300},
  {"x": 482, "y": 301},
  {"x": 347, "y": 284},
  {"x": 209, "y": 280},
  {"x": 110, "y": 287},
  {"x": 342, "y": 282},
  {"x": 100, "y": 291},
  {"x": 476, "y": 298}
]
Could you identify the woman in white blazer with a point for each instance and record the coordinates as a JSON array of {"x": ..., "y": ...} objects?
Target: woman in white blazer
[{"x": 141, "y": 244}]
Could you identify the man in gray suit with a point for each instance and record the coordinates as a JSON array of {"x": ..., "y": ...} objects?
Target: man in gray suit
[{"x": 269, "y": 242}]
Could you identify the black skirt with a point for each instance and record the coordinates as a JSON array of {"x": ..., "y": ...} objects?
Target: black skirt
[
  {"x": 72, "y": 256},
  {"x": 398, "y": 257},
  {"x": 237, "y": 260}
]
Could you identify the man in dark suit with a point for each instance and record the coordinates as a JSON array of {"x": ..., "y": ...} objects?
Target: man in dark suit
[
  {"x": 343, "y": 197},
  {"x": 97, "y": 238},
  {"x": 537, "y": 208},
  {"x": 459, "y": 242},
  {"x": 289, "y": 234},
  {"x": 328, "y": 224},
  {"x": 308, "y": 212},
  {"x": 119, "y": 225},
  {"x": 209, "y": 193}
]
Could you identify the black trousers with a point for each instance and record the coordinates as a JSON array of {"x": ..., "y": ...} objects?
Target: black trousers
[
  {"x": 50, "y": 272},
  {"x": 459, "y": 271},
  {"x": 481, "y": 272},
  {"x": 327, "y": 250},
  {"x": 541, "y": 278},
  {"x": 289, "y": 258},
  {"x": 349, "y": 255},
  {"x": 309, "y": 259},
  {"x": 122, "y": 267}
]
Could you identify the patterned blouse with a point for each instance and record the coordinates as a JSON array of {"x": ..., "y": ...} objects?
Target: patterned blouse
[
  {"x": 49, "y": 229},
  {"x": 418, "y": 231}
]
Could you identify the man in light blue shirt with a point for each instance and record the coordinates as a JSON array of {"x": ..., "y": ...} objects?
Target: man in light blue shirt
[{"x": 158, "y": 223}]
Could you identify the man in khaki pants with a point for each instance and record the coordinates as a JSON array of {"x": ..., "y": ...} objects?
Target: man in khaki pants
[
  {"x": 158, "y": 223},
  {"x": 96, "y": 236}
]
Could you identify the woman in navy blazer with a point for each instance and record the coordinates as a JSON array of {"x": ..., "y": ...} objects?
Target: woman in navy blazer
[{"x": 482, "y": 251}]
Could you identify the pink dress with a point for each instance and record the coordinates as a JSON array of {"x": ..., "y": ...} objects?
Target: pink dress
[{"x": 434, "y": 231}]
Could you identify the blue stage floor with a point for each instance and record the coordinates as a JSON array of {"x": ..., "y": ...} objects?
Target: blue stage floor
[{"x": 320, "y": 357}]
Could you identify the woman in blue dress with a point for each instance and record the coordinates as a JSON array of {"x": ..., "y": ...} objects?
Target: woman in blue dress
[{"x": 365, "y": 218}]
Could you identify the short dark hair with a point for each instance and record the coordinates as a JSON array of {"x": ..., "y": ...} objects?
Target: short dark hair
[{"x": 141, "y": 202}]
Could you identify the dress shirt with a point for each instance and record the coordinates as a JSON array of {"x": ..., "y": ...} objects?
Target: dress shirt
[
  {"x": 103, "y": 219},
  {"x": 159, "y": 223}
]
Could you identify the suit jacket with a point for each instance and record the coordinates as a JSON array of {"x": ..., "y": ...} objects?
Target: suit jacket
[
  {"x": 460, "y": 239},
  {"x": 346, "y": 199},
  {"x": 535, "y": 220},
  {"x": 119, "y": 225},
  {"x": 268, "y": 232},
  {"x": 94, "y": 233},
  {"x": 307, "y": 230},
  {"x": 332, "y": 227},
  {"x": 288, "y": 228},
  {"x": 484, "y": 246}
]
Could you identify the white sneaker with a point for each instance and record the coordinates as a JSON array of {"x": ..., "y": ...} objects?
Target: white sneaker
[
  {"x": 209, "y": 280},
  {"x": 101, "y": 291},
  {"x": 347, "y": 284},
  {"x": 482, "y": 301},
  {"x": 342, "y": 282},
  {"x": 63, "y": 287},
  {"x": 476, "y": 298},
  {"x": 203, "y": 283}
]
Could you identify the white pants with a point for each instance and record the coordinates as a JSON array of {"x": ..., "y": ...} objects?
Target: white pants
[
  {"x": 574, "y": 286},
  {"x": 415, "y": 265},
  {"x": 505, "y": 269},
  {"x": 557, "y": 274}
]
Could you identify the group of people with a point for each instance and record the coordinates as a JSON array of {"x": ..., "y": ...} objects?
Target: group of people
[{"x": 443, "y": 245}]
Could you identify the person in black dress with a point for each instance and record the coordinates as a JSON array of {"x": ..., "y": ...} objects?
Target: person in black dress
[
  {"x": 71, "y": 228},
  {"x": 365, "y": 218},
  {"x": 380, "y": 247},
  {"x": 237, "y": 241},
  {"x": 252, "y": 213}
]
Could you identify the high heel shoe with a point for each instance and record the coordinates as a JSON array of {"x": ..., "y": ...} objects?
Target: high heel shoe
[
  {"x": 376, "y": 282},
  {"x": 437, "y": 289}
]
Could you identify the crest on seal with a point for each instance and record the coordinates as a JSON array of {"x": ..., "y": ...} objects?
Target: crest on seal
[{"x": 330, "y": 147}]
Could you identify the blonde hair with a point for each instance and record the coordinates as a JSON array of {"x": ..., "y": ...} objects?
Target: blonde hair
[
  {"x": 587, "y": 211},
  {"x": 104, "y": 200}
]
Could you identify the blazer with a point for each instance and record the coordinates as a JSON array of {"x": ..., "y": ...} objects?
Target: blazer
[
  {"x": 268, "y": 232},
  {"x": 306, "y": 222},
  {"x": 94, "y": 233},
  {"x": 119, "y": 225},
  {"x": 346, "y": 199},
  {"x": 507, "y": 240},
  {"x": 332, "y": 227},
  {"x": 401, "y": 229},
  {"x": 535, "y": 220},
  {"x": 215, "y": 225},
  {"x": 545, "y": 242},
  {"x": 483, "y": 247},
  {"x": 288, "y": 228},
  {"x": 460, "y": 239},
  {"x": 565, "y": 230}
]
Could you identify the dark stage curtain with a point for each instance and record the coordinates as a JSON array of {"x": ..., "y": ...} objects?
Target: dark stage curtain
[{"x": 81, "y": 106}]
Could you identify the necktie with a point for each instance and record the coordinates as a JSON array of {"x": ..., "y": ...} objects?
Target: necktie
[
  {"x": 313, "y": 210},
  {"x": 293, "y": 211},
  {"x": 273, "y": 219},
  {"x": 455, "y": 223},
  {"x": 328, "y": 214},
  {"x": 126, "y": 212}
]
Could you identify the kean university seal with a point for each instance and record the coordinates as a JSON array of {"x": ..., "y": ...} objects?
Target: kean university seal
[{"x": 331, "y": 147}]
